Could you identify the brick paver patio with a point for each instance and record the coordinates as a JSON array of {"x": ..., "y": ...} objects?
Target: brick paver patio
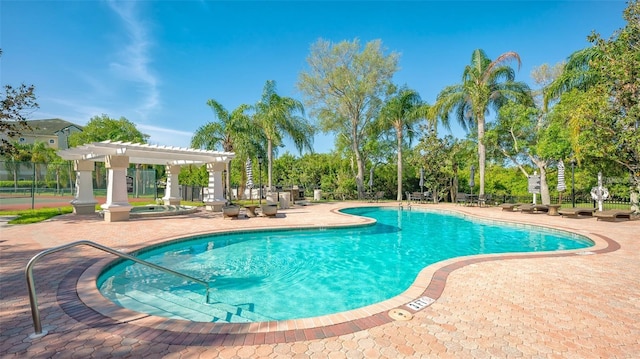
[{"x": 576, "y": 304}]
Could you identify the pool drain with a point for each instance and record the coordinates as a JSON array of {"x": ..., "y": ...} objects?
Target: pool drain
[{"x": 400, "y": 314}]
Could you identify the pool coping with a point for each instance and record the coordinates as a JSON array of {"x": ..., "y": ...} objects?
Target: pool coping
[{"x": 429, "y": 284}]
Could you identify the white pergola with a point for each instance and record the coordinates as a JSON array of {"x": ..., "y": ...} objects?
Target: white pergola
[{"x": 118, "y": 155}]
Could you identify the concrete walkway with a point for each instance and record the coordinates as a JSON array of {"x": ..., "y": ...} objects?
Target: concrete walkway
[{"x": 577, "y": 304}]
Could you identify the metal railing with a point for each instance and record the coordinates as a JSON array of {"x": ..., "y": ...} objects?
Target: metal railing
[{"x": 35, "y": 312}]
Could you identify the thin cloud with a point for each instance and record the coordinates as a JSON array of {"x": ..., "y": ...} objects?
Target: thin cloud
[
  {"x": 81, "y": 112},
  {"x": 165, "y": 136},
  {"x": 135, "y": 59},
  {"x": 165, "y": 130}
]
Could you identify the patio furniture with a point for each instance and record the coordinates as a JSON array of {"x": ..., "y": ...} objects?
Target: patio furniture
[
  {"x": 576, "y": 212},
  {"x": 251, "y": 210},
  {"x": 613, "y": 215},
  {"x": 415, "y": 197},
  {"x": 534, "y": 208},
  {"x": 269, "y": 210},
  {"x": 510, "y": 207},
  {"x": 230, "y": 211},
  {"x": 484, "y": 199},
  {"x": 461, "y": 198},
  {"x": 553, "y": 210}
]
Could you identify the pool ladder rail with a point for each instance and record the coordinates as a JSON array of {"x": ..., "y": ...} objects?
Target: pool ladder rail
[{"x": 33, "y": 300}]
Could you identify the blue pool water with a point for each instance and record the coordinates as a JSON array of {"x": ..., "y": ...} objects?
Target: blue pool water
[{"x": 288, "y": 274}]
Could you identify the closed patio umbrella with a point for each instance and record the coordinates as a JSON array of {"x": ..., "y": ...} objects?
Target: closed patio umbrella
[
  {"x": 370, "y": 179},
  {"x": 421, "y": 180},
  {"x": 472, "y": 183},
  {"x": 562, "y": 186},
  {"x": 249, "y": 177}
]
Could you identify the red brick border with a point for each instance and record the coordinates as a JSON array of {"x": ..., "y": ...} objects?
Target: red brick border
[{"x": 228, "y": 334}]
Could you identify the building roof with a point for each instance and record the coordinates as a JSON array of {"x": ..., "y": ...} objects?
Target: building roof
[
  {"x": 48, "y": 127},
  {"x": 145, "y": 153}
]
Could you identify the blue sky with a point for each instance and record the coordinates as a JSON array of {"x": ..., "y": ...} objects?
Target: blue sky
[{"x": 158, "y": 62}]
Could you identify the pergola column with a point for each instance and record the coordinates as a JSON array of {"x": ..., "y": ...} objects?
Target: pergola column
[
  {"x": 84, "y": 202},
  {"x": 214, "y": 197},
  {"x": 172, "y": 191},
  {"x": 117, "y": 207}
]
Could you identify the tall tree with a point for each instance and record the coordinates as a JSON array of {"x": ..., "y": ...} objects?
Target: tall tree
[
  {"x": 40, "y": 154},
  {"x": 485, "y": 85},
  {"x": 524, "y": 135},
  {"x": 13, "y": 160},
  {"x": 401, "y": 112},
  {"x": 17, "y": 103},
  {"x": 231, "y": 132},
  {"x": 103, "y": 128},
  {"x": 602, "y": 107},
  {"x": 346, "y": 85},
  {"x": 280, "y": 116}
]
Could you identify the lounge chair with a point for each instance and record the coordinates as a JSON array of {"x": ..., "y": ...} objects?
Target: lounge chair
[
  {"x": 484, "y": 199},
  {"x": 511, "y": 207},
  {"x": 576, "y": 212},
  {"x": 461, "y": 198},
  {"x": 533, "y": 208},
  {"x": 613, "y": 215},
  {"x": 415, "y": 197}
]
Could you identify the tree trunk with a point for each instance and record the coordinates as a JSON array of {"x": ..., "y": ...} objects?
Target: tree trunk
[
  {"x": 399, "y": 140},
  {"x": 482, "y": 152},
  {"x": 360, "y": 167},
  {"x": 453, "y": 190},
  {"x": 269, "y": 162},
  {"x": 15, "y": 175},
  {"x": 544, "y": 186},
  {"x": 227, "y": 181}
]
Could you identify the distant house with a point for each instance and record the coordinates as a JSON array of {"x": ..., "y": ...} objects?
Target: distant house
[{"x": 54, "y": 132}]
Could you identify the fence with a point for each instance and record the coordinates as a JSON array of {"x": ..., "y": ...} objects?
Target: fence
[
  {"x": 191, "y": 193},
  {"x": 581, "y": 200},
  {"x": 24, "y": 185}
]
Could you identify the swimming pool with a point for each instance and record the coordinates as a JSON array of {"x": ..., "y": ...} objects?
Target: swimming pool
[{"x": 287, "y": 274}]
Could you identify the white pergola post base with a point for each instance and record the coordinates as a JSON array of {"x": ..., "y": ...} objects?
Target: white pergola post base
[
  {"x": 117, "y": 207},
  {"x": 172, "y": 191},
  {"x": 117, "y": 213},
  {"x": 84, "y": 202},
  {"x": 214, "y": 194},
  {"x": 84, "y": 208}
]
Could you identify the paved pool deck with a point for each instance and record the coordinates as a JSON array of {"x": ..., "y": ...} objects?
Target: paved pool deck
[{"x": 573, "y": 304}]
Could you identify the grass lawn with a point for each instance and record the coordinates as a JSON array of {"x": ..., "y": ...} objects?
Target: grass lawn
[{"x": 27, "y": 216}]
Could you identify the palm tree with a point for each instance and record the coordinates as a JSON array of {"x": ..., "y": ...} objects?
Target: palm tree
[
  {"x": 576, "y": 74},
  {"x": 401, "y": 112},
  {"x": 485, "y": 84},
  {"x": 227, "y": 133},
  {"x": 277, "y": 116}
]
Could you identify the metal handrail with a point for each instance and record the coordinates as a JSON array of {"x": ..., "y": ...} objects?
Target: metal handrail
[{"x": 35, "y": 313}]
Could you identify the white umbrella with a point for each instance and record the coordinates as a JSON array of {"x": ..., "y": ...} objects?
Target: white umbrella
[
  {"x": 421, "y": 178},
  {"x": 249, "y": 176},
  {"x": 561, "y": 184}
]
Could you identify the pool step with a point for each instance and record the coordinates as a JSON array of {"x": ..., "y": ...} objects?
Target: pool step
[
  {"x": 163, "y": 303},
  {"x": 141, "y": 301},
  {"x": 241, "y": 310}
]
